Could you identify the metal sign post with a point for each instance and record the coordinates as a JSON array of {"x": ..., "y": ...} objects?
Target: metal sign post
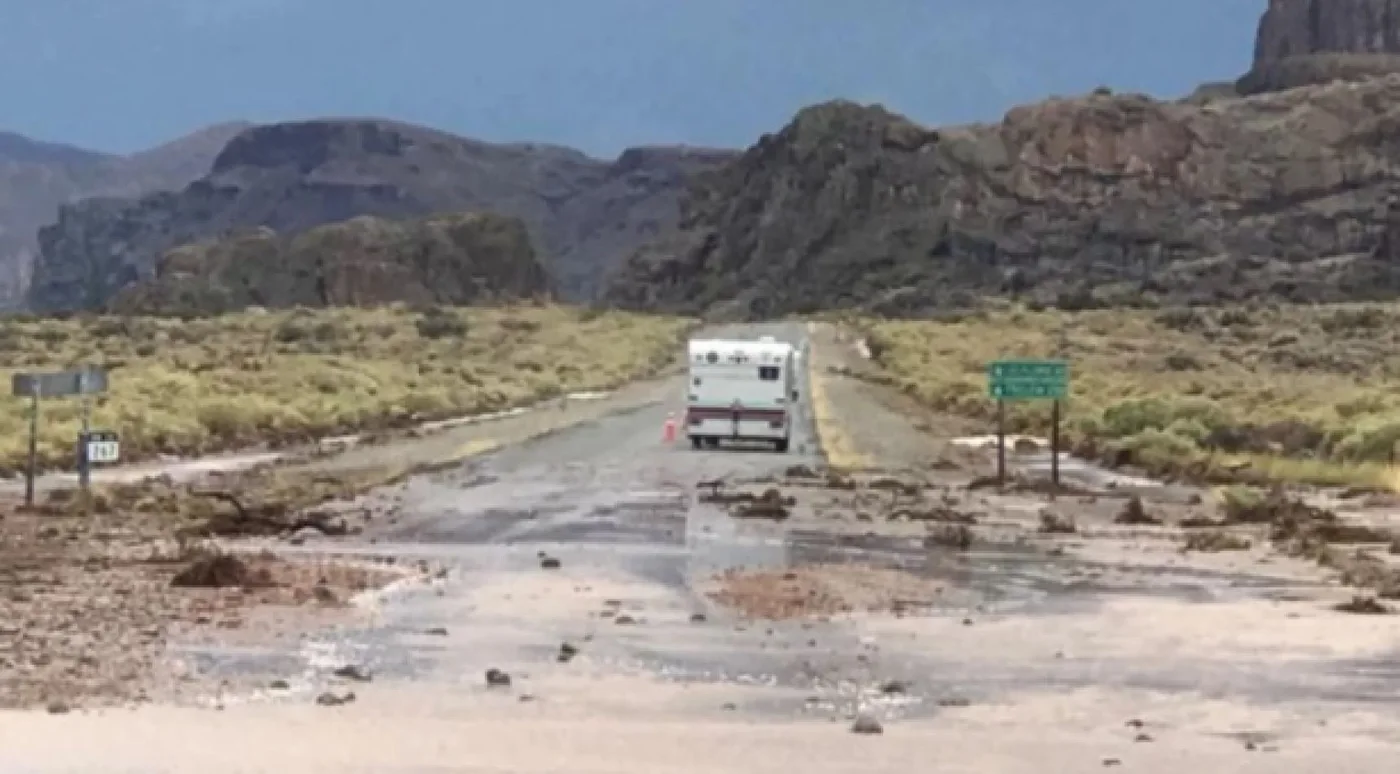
[
  {"x": 84, "y": 382},
  {"x": 1028, "y": 380}
]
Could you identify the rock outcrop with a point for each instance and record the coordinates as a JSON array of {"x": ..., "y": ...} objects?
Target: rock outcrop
[
  {"x": 448, "y": 259},
  {"x": 37, "y": 177},
  {"x": 583, "y": 214},
  {"x": 1309, "y": 42},
  {"x": 1105, "y": 199}
]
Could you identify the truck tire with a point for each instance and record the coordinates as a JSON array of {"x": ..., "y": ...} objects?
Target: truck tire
[
  {"x": 695, "y": 441},
  {"x": 781, "y": 446}
]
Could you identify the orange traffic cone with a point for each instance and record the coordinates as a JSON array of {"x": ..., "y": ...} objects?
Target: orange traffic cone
[{"x": 668, "y": 430}]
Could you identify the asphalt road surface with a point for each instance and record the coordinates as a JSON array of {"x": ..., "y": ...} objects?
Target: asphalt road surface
[{"x": 578, "y": 564}]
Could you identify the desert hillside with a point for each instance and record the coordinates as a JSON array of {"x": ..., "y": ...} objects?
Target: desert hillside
[
  {"x": 364, "y": 261},
  {"x": 36, "y": 178},
  {"x": 582, "y": 214}
]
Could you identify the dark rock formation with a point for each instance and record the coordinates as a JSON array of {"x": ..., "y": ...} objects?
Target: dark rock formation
[
  {"x": 448, "y": 259},
  {"x": 1307, "y": 42},
  {"x": 37, "y": 177},
  {"x": 583, "y": 214},
  {"x": 1074, "y": 202}
]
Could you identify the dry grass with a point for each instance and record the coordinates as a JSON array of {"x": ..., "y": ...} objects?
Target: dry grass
[
  {"x": 181, "y": 387},
  {"x": 1302, "y": 393}
]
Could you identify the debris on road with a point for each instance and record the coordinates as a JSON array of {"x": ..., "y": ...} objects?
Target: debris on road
[
  {"x": 566, "y": 653},
  {"x": 353, "y": 672},
  {"x": 1363, "y": 605},
  {"x": 330, "y": 699},
  {"x": 955, "y": 536},
  {"x": 216, "y": 570},
  {"x": 1052, "y": 523},
  {"x": 495, "y": 678},
  {"x": 1135, "y": 514},
  {"x": 1215, "y": 540},
  {"x": 550, "y": 563},
  {"x": 866, "y": 723}
]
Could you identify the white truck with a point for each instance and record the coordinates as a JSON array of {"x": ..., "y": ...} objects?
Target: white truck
[{"x": 741, "y": 390}]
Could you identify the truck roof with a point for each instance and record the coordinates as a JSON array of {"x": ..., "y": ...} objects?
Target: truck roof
[{"x": 726, "y": 349}]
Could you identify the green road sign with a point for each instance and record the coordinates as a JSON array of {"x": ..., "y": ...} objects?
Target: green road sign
[{"x": 1028, "y": 379}]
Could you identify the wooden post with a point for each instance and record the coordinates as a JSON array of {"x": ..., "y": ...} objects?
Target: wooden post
[
  {"x": 31, "y": 468},
  {"x": 1055, "y": 445},
  {"x": 1001, "y": 443}
]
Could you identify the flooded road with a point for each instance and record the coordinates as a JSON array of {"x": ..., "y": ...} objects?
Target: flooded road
[{"x": 584, "y": 565}]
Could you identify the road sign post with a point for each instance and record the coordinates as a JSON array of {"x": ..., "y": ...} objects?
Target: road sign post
[
  {"x": 84, "y": 382},
  {"x": 1019, "y": 380}
]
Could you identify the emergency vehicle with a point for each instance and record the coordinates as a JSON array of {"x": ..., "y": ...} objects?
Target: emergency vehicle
[{"x": 741, "y": 390}]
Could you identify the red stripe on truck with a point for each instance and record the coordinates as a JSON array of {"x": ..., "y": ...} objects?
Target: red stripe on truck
[{"x": 746, "y": 414}]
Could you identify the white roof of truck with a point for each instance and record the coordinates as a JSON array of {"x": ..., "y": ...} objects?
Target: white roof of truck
[{"x": 726, "y": 350}]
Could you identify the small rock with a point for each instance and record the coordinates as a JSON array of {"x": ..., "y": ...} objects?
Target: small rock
[
  {"x": 1112, "y": 762},
  {"x": 495, "y": 678},
  {"x": 279, "y": 685},
  {"x": 329, "y": 699},
  {"x": 353, "y": 672},
  {"x": 567, "y": 653},
  {"x": 865, "y": 723},
  {"x": 954, "y": 701},
  {"x": 729, "y": 706},
  {"x": 625, "y": 620},
  {"x": 526, "y": 697},
  {"x": 1134, "y": 723},
  {"x": 436, "y": 631},
  {"x": 697, "y": 618},
  {"x": 59, "y": 708},
  {"x": 1142, "y": 738},
  {"x": 894, "y": 687},
  {"x": 549, "y": 563}
]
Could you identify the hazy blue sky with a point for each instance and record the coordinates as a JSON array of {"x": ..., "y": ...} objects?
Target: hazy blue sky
[{"x": 119, "y": 75}]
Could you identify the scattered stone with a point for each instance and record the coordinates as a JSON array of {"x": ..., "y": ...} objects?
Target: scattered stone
[
  {"x": 894, "y": 687},
  {"x": 1052, "y": 523},
  {"x": 436, "y": 631},
  {"x": 1215, "y": 540},
  {"x": 624, "y": 620},
  {"x": 217, "y": 571},
  {"x": 329, "y": 699},
  {"x": 353, "y": 672},
  {"x": 495, "y": 678},
  {"x": 1134, "y": 723},
  {"x": 550, "y": 563},
  {"x": 866, "y": 723},
  {"x": 1142, "y": 738},
  {"x": 697, "y": 618},
  {"x": 279, "y": 685},
  {"x": 954, "y": 701},
  {"x": 527, "y": 697},
  {"x": 955, "y": 536},
  {"x": 1112, "y": 762},
  {"x": 1363, "y": 606},
  {"x": 729, "y": 706},
  {"x": 1135, "y": 514},
  {"x": 567, "y": 653},
  {"x": 59, "y": 708}
]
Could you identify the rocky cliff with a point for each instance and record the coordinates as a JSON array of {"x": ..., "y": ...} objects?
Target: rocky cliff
[
  {"x": 583, "y": 214},
  {"x": 1306, "y": 42},
  {"x": 37, "y": 177},
  {"x": 1105, "y": 199},
  {"x": 448, "y": 259}
]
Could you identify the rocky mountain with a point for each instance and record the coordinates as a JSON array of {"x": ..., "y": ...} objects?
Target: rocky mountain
[
  {"x": 1104, "y": 199},
  {"x": 447, "y": 259},
  {"x": 583, "y": 214},
  {"x": 37, "y": 177},
  {"x": 1308, "y": 42}
]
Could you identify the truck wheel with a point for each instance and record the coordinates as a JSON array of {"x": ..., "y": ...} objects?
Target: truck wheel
[
  {"x": 782, "y": 446},
  {"x": 695, "y": 442}
]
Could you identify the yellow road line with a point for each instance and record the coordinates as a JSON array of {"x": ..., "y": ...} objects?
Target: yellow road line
[{"x": 836, "y": 444}]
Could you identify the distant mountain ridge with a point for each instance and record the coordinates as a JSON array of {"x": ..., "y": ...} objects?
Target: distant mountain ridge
[
  {"x": 37, "y": 177},
  {"x": 583, "y": 215}
]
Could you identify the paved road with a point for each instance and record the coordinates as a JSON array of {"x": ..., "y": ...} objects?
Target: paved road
[{"x": 616, "y": 507}]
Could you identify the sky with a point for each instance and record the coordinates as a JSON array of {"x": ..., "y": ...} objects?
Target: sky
[{"x": 598, "y": 75}]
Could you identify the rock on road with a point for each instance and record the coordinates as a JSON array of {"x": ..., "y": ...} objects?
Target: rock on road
[{"x": 582, "y": 565}]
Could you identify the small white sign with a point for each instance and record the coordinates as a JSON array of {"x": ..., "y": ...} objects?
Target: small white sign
[{"x": 103, "y": 451}]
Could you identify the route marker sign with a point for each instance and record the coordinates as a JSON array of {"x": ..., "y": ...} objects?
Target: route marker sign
[
  {"x": 1028, "y": 379},
  {"x": 103, "y": 446},
  {"x": 84, "y": 383}
]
